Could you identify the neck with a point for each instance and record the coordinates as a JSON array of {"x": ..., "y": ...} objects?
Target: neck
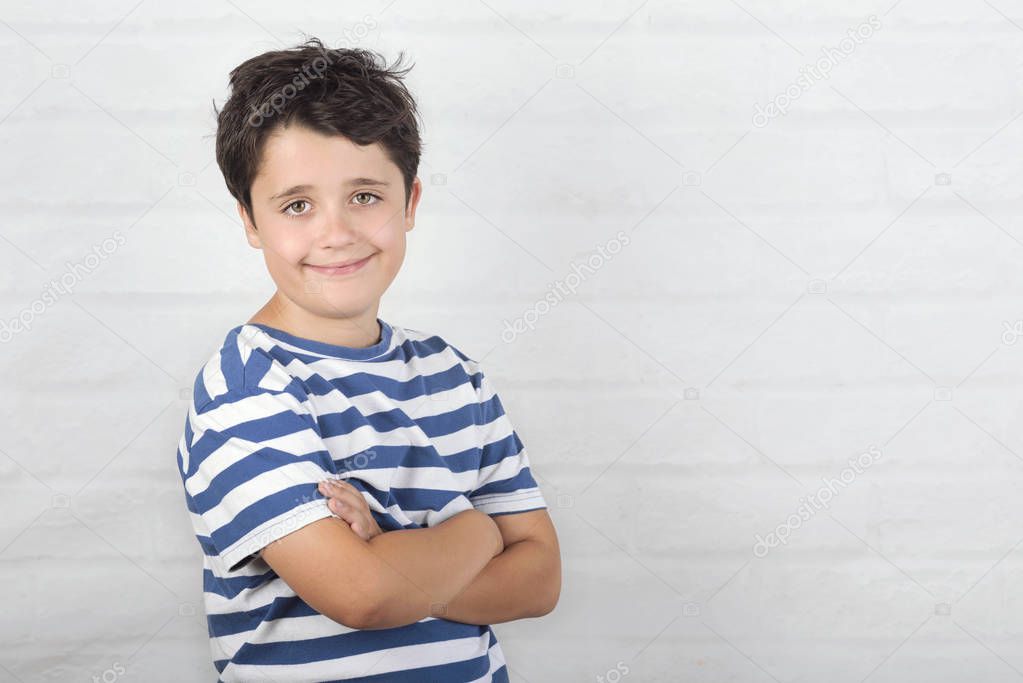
[{"x": 356, "y": 331}]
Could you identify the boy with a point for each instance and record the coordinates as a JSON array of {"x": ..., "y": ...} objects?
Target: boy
[{"x": 433, "y": 527}]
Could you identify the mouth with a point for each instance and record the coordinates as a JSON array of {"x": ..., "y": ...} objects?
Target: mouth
[{"x": 340, "y": 268}]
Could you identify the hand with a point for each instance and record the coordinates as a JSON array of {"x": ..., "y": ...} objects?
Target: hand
[
  {"x": 495, "y": 533},
  {"x": 348, "y": 503},
  {"x": 500, "y": 538}
]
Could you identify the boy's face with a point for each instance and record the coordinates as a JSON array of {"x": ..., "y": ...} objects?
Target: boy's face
[{"x": 352, "y": 207}]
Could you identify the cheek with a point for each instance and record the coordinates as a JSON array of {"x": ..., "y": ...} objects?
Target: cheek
[
  {"x": 392, "y": 237},
  {"x": 393, "y": 252},
  {"x": 287, "y": 249}
]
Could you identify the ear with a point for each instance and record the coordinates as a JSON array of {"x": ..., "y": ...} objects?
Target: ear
[
  {"x": 251, "y": 234},
  {"x": 413, "y": 203}
]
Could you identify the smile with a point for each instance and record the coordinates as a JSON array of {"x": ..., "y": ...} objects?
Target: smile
[{"x": 342, "y": 270}]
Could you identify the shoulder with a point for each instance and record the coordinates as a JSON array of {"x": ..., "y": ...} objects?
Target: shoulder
[
  {"x": 243, "y": 366},
  {"x": 421, "y": 344}
]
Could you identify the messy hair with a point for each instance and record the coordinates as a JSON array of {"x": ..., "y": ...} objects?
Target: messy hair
[{"x": 342, "y": 91}]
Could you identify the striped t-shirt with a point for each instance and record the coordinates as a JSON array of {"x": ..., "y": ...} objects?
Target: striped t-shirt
[{"x": 411, "y": 421}]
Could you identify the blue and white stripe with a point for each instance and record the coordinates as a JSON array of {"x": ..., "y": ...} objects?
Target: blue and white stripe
[{"x": 411, "y": 422}]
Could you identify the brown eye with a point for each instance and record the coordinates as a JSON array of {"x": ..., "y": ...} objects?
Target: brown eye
[
  {"x": 297, "y": 201},
  {"x": 366, "y": 194}
]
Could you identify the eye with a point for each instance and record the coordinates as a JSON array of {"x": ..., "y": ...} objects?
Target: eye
[
  {"x": 367, "y": 194},
  {"x": 297, "y": 201}
]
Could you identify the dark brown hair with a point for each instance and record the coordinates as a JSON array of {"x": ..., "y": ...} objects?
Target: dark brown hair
[{"x": 343, "y": 91}]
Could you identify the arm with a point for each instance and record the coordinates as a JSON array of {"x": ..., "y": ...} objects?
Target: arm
[
  {"x": 392, "y": 580},
  {"x": 428, "y": 567},
  {"x": 523, "y": 581}
]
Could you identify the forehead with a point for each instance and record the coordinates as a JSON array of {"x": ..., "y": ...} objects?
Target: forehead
[{"x": 297, "y": 152}]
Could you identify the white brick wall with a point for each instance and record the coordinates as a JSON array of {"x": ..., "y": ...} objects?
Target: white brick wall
[{"x": 845, "y": 277}]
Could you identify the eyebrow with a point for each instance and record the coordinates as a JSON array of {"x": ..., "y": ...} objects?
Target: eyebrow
[{"x": 298, "y": 189}]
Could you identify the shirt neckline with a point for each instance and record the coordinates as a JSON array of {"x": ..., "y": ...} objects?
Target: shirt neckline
[{"x": 333, "y": 350}]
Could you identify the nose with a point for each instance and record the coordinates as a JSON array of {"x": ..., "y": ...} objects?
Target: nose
[{"x": 337, "y": 229}]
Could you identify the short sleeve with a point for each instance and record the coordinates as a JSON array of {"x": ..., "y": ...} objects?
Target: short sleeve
[
  {"x": 254, "y": 462},
  {"x": 505, "y": 483}
]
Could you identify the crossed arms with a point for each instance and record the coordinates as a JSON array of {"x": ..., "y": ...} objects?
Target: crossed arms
[{"x": 473, "y": 568}]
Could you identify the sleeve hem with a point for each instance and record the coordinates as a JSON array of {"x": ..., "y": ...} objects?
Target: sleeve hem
[
  {"x": 515, "y": 512},
  {"x": 522, "y": 500},
  {"x": 274, "y": 529}
]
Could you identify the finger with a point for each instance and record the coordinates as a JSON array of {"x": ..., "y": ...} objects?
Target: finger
[
  {"x": 343, "y": 511},
  {"x": 345, "y": 487},
  {"x": 352, "y": 497},
  {"x": 343, "y": 483},
  {"x": 355, "y": 520},
  {"x": 344, "y": 500},
  {"x": 339, "y": 485},
  {"x": 340, "y": 493}
]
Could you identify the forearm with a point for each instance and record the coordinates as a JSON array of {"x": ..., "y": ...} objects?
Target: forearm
[
  {"x": 422, "y": 568},
  {"x": 523, "y": 581}
]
